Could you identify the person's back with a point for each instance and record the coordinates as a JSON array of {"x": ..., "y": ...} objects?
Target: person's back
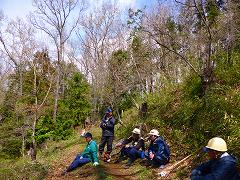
[
  {"x": 221, "y": 166},
  {"x": 91, "y": 151},
  {"x": 158, "y": 152},
  {"x": 160, "y": 148}
]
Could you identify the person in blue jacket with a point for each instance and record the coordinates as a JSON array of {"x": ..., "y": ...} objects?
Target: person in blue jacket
[
  {"x": 221, "y": 166},
  {"x": 90, "y": 154},
  {"x": 107, "y": 124},
  {"x": 132, "y": 147},
  {"x": 158, "y": 152}
]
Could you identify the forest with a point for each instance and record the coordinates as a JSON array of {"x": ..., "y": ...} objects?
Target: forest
[{"x": 174, "y": 67}]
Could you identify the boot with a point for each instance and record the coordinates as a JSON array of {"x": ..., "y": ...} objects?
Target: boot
[
  {"x": 129, "y": 163},
  {"x": 64, "y": 172},
  {"x": 119, "y": 160},
  {"x": 107, "y": 157}
]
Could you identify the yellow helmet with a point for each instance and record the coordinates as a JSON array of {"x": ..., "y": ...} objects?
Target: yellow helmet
[{"x": 217, "y": 144}]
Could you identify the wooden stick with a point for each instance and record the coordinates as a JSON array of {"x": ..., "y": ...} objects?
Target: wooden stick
[{"x": 165, "y": 172}]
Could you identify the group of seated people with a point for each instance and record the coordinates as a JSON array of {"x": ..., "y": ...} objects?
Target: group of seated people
[
  {"x": 157, "y": 154},
  {"x": 221, "y": 166}
]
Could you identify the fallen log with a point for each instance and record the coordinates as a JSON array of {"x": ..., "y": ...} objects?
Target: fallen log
[{"x": 167, "y": 170}]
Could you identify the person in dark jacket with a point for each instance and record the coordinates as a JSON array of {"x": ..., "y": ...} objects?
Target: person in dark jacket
[
  {"x": 107, "y": 125},
  {"x": 221, "y": 166},
  {"x": 133, "y": 147},
  {"x": 158, "y": 152},
  {"x": 90, "y": 154}
]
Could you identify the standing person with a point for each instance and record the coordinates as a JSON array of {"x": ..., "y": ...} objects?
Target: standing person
[
  {"x": 221, "y": 166},
  {"x": 107, "y": 125},
  {"x": 90, "y": 154},
  {"x": 158, "y": 152},
  {"x": 133, "y": 147}
]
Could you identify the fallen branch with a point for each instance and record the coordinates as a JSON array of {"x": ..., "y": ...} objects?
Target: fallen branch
[{"x": 166, "y": 171}]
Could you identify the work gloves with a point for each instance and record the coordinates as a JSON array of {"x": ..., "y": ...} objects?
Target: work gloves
[
  {"x": 103, "y": 125},
  {"x": 95, "y": 164}
]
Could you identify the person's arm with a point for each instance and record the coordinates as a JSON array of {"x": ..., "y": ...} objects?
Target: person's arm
[
  {"x": 204, "y": 168},
  {"x": 103, "y": 123},
  {"x": 94, "y": 152},
  {"x": 201, "y": 170},
  {"x": 150, "y": 149},
  {"x": 110, "y": 124},
  {"x": 160, "y": 148},
  {"x": 220, "y": 172},
  {"x": 126, "y": 141},
  {"x": 140, "y": 145},
  {"x": 85, "y": 151}
]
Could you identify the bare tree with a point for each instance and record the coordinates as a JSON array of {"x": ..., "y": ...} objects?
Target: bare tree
[
  {"x": 17, "y": 48},
  {"x": 54, "y": 17},
  {"x": 100, "y": 35},
  {"x": 37, "y": 107},
  {"x": 207, "y": 34},
  {"x": 192, "y": 38},
  {"x": 18, "y": 45}
]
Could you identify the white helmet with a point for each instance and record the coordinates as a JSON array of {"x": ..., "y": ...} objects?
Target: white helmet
[
  {"x": 217, "y": 144},
  {"x": 154, "y": 132},
  {"x": 136, "y": 131}
]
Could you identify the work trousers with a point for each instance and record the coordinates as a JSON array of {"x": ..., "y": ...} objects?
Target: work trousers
[
  {"x": 132, "y": 153},
  {"x": 78, "y": 162},
  {"x": 106, "y": 140},
  {"x": 157, "y": 161}
]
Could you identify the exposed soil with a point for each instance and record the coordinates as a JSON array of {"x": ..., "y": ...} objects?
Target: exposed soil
[
  {"x": 87, "y": 172},
  {"x": 108, "y": 170}
]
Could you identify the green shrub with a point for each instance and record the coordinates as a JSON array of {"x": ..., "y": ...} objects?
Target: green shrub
[{"x": 12, "y": 148}]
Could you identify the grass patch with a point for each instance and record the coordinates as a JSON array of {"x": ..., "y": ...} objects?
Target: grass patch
[{"x": 22, "y": 169}]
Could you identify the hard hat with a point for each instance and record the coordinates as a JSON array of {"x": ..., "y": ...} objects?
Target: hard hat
[
  {"x": 217, "y": 144},
  {"x": 136, "y": 131},
  {"x": 108, "y": 110},
  {"x": 154, "y": 132}
]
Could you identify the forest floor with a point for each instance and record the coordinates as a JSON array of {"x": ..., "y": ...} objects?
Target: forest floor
[{"x": 110, "y": 170}]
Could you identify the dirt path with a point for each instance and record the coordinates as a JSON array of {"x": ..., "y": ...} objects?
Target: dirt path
[
  {"x": 88, "y": 172},
  {"x": 109, "y": 171},
  {"x": 104, "y": 171}
]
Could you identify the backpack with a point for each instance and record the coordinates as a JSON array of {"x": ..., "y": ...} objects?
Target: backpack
[{"x": 167, "y": 149}]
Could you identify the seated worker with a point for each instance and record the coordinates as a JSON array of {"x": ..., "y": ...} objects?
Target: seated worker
[
  {"x": 221, "y": 165},
  {"x": 133, "y": 147},
  {"x": 90, "y": 154},
  {"x": 158, "y": 152}
]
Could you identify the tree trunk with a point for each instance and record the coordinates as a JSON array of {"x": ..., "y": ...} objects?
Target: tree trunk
[
  {"x": 33, "y": 149},
  {"x": 60, "y": 59},
  {"x": 143, "y": 110},
  {"x": 34, "y": 145},
  {"x": 56, "y": 97},
  {"x": 23, "y": 144}
]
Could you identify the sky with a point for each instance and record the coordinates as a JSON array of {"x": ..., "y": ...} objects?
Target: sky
[
  {"x": 21, "y": 8},
  {"x": 16, "y": 8}
]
